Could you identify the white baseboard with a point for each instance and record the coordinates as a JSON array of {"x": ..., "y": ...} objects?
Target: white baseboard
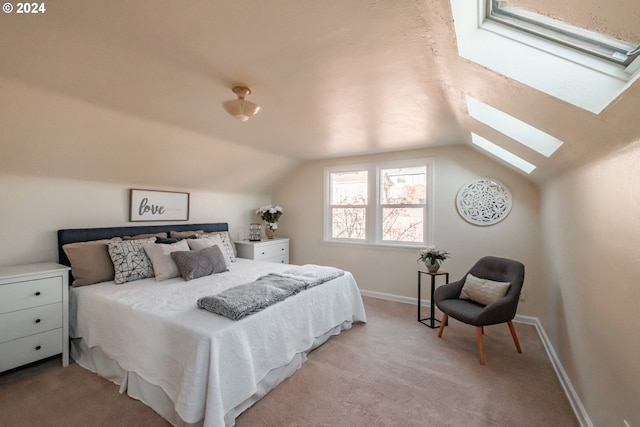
[
  {"x": 574, "y": 400},
  {"x": 392, "y": 297}
]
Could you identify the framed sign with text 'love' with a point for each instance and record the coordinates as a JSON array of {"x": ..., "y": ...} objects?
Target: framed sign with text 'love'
[{"x": 153, "y": 205}]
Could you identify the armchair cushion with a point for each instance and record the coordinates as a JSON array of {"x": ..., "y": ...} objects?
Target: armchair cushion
[
  {"x": 465, "y": 311},
  {"x": 483, "y": 291}
]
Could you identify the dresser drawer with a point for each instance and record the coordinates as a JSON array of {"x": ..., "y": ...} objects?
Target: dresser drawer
[
  {"x": 263, "y": 252},
  {"x": 283, "y": 259},
  {"x": 30, "y": 321},
  {"x": 30, "y": 293},
  {"x": 275, "y": 250},
  {"x": 29, "y": 349}
]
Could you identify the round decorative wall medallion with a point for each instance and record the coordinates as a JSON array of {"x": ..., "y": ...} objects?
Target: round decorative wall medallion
[{"x": 484, "y": 201}]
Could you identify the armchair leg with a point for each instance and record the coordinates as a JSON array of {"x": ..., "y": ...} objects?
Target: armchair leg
[
  {"x": 479, "y": 331},
  {"x": 443, "y": 323},
  {"x": 515, "y": 337}
]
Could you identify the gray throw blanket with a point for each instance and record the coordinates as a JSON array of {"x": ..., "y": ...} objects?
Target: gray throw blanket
[
  {"x": 311, "y": 274},
  {"x": 249, "y": 298}
]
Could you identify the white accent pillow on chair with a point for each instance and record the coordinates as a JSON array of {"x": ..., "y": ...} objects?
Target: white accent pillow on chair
[{"x": 483, "y": 291}]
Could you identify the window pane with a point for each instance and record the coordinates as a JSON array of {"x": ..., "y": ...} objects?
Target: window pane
[
  {"x": 559, "y": 31},
  {"x": 403, "y": 224},
  {"x": 403, "y": 186},
  {"x": 348, "y": 223},
  {"x": 349, "y": 188}
]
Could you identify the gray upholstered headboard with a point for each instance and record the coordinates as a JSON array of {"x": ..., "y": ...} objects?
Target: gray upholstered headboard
[{"x": 73, "y": 235}]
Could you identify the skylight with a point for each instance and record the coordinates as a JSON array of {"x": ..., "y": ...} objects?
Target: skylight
[
  {"x": 585, "y": 80},
  {"x": 516, "y": 129},
  {"x": 501, "y": 153},
  {"x": 592, "y": 42}
]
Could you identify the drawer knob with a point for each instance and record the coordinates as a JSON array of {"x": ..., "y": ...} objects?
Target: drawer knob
[
  {"x": 37, "y": 293},
  {"x": 37, "y": 320},
  {"x": 262, "y": 253},
  {"x": 38, "y": 348}
]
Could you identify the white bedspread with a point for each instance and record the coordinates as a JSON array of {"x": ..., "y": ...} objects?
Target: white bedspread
[{"x": 205, "y": 363}]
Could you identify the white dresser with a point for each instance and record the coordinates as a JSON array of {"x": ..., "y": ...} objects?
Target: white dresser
[
  {"x": 34, "y": 313},
  {"x": 272, "y": 250}
]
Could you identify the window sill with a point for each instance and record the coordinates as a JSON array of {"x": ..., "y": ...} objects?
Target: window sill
[{"x": 393, "y": 246}]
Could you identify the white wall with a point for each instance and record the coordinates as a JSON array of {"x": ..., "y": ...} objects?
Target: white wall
[
  {"x": 67, "y": 163},
  {"x": 48, "y": 134},
  {"x": 591, "y": 250},
  {"x": 34, "y": 208},
  {"x": 394, "y": 270}
]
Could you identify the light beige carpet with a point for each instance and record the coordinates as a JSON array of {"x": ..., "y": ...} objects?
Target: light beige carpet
[{"x": 392, "y": 371}]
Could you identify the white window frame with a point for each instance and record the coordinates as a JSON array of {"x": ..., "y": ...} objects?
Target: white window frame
[
  {"x": 573, "y": 76},
  {"x": 594, "y": 43},
  {"x": 373, "y": 233}
]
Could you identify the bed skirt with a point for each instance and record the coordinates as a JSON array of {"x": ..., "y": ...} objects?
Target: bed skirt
[{"x": 136, "y": 387}]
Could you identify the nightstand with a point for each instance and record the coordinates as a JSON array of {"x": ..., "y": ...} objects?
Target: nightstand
[
  {"x": 272, "y": 250},
  {"x": 34, "y": 313}
]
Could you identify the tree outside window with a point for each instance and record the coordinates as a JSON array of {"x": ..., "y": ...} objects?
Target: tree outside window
[
  {"x": 398, "y": 213},
  {"x": 348, "y": 205}
]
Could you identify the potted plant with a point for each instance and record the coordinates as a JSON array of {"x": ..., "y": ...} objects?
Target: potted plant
[
  {"x": 432, "y": 258},
  {"x": 270, "y": 214}
]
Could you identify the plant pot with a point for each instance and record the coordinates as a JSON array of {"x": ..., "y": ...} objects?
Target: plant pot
[
  {"x": 270, "y": 233},
  {"x": 432, "y": 268}
]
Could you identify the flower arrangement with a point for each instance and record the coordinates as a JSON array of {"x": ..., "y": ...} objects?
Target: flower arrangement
[
  {"x": 270, "y": 214},
  {"x": 432, "y": 257}
]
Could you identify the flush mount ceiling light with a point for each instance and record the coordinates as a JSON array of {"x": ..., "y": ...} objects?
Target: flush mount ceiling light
[{"x": 240, "y": 108}]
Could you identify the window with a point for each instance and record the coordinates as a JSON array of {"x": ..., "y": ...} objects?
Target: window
[
  {"x": 501, "y": 153},
  {"x": 592, "y": 42},
  {"x": 582, "y": 79},
  {"x": 524, "y": 133},
  {"x": 378, "y": 203},
  {"x": 348, "y": 204}
]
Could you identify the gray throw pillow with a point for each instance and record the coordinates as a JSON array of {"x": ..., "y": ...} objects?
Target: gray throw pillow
[
  {"x": 199, "y": 263},
  {"x": 210, "y": 240},
  {"x": 229, "y": 247}
]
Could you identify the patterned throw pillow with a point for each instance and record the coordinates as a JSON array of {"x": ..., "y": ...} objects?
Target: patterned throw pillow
[
  {"x": 200, "y": 263},
  {"x": 483, "y": 291},
  {"x": 226, "y": 243},
  {"x": 130, "y": 261}
]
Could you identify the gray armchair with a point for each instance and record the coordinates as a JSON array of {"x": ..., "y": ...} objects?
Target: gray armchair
[{"x": 447, "y": 299}]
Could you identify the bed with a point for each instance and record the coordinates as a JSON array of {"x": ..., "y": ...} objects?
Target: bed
[{"x": 194, "y": 367}]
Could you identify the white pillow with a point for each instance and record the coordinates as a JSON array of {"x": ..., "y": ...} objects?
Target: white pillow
[
  {"x": 160, "y": 256},
  {"x": 483, "y": 291},
  {"x": 207, "y": 242}
]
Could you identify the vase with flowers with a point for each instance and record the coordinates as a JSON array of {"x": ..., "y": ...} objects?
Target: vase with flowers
[
  {"x": 432, "y": 258},
  {"x": 270, "y": 214}
]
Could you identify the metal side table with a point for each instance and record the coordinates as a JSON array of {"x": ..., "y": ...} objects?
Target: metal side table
[{"x": 429, "y": 321}]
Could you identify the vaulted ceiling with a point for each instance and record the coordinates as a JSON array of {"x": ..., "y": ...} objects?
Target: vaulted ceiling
[{"x": 334, "y": 78}]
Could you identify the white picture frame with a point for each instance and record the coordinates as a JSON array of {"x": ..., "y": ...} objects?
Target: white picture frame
[{"x": 154, "y": 205}]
